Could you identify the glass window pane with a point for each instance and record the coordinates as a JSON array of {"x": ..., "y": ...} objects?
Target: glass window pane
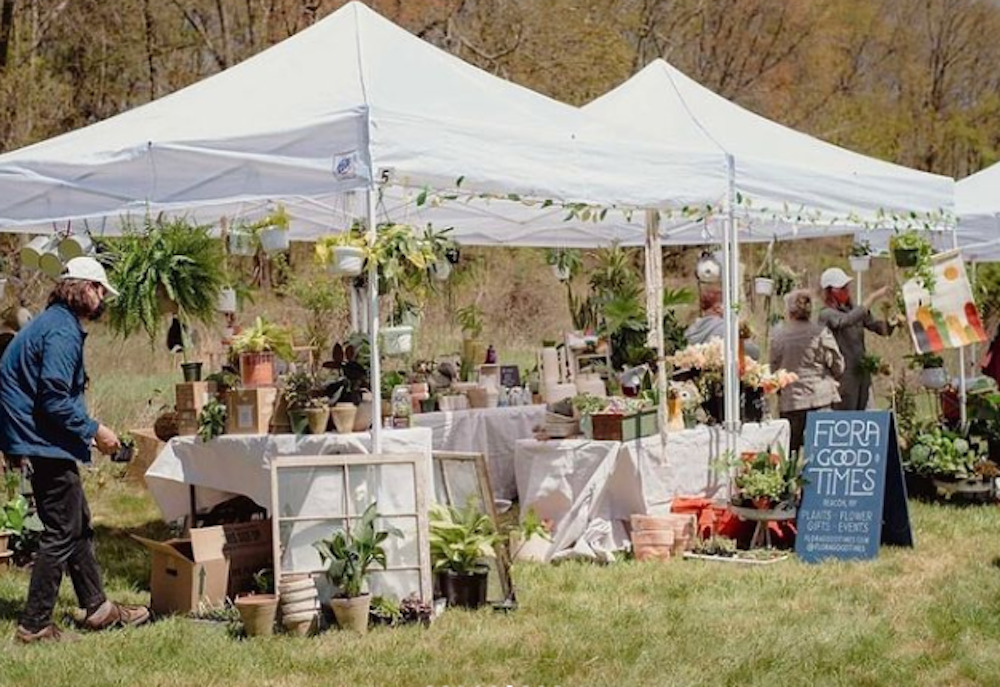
[
  {"x": 311, "y": 492},
  {"x": 297, "y": 551}
]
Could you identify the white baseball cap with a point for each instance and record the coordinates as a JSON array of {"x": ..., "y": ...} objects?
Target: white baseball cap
[
  {"x": 88, "y": 269},
  {"x": 834, "y": 278}
]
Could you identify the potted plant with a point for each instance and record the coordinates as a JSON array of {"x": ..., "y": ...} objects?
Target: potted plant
[
  {"x": 224, "y": 380},
  {"x": 348, "y": 555},
  {"x": 872, "y": 364},
  {"x": 256, "y": 347},
  {"x": 931, "y": 366},
  {"x": 955, "y": 464},
  {"x": 908, "y": 247},
  {"x": 297, "y": 392},
  {"x": 342, "y": 254},
  {"x": 241, "y": 240},
  {"x": 461, "y": 542},
  {"x": 764, "y": 480},
  {"x": 212, "y": 420},
  {"x": 390, "y": 380},
  {"x": 444, "y": 249},
  {"x": 259, "y": 608},
  {"x": 127, "y": 452},
  {"x": 470, "y": 319},
  {"x": 17, "y": 523},
  {"x": 774, "y": 277},
  {"x": 565, "y": 262},
  {"x": 167, "y": 266},
  {"x": 861, "y": 256},
  {"x": 272, "y": 231}
]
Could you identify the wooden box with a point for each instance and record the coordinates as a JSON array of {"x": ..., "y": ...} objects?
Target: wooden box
[
  {"x": 607, "y": 427},
  {"x": 187, "y": 422},
  {"x": 193, "y": 395},
  {"x": 249, "y": 411}
]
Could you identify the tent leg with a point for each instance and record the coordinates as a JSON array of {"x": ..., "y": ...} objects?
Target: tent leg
[
  {"x": 963, "y": 408},
  {"x": 654, "y": 317},
  {"x": 731, "y": 304},
  {"x": 373, "y": 315}
]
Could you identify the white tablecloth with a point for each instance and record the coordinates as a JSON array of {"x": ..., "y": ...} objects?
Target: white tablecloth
[
  {"x": 490, "y": 431},
  {"x": 589, "y": 489},
  {"x": 240, "y": 464}
]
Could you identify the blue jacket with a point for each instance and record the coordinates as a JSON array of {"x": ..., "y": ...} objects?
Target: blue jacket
[{"x": 42, "y": 409}]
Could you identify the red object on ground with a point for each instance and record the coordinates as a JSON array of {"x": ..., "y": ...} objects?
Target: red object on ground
[{"x": 713, "y": 518}]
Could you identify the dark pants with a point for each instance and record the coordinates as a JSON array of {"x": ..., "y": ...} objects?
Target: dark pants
[
  {"x": 67, "y": 542},
  {"x": 797, "y": 421}
]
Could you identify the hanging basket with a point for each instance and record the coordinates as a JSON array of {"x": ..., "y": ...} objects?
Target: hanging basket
[
  {"x": 860, "y": 263},
  {"x": 561, "y": 273},
  {"x": 397, "y": 340},
  {"x": 50, "y": 264},
  {"x": 905, "y": 257},
  {"x": 763, "y": 286},
  {"x": 75, "y": 246},
  {"x": 441, "y": 269},
  {"x": 274, "y": 240},
  {"x": 32, "y": 252},
  {"x": 346, "y": 261},
  {"x": 227, "y": 300},
  {"x": 934, "y": 377},
  {"x": 242, "y": 243}
]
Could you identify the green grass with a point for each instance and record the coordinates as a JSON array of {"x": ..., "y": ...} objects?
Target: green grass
[{"x": 927, "y": 616}]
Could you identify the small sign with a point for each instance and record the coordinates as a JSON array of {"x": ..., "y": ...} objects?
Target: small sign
[
  {"x": 510, "y": 376},
  {"x": 345, "y": 165},
  {"x": 854, "y": 497}
]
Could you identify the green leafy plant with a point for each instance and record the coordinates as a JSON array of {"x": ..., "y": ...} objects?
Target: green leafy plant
[
  {"x": 390, "y": 380},
  {"x": 263, "y": 581},
  {"x": 763, "y": 478},
  {"x": 16, "y": 519},
  {"x": 872, "y": 364},
  {"x": 566, "y": 260},
  {"x": 298, "y": 389},
  {"x": 385, "y": 611},
  {"x": 348, "y": 555},
  {"x": 212, "y": 420},
  {"x": 264, "y": 336},
  {"x": 945, "y": 455},
  {"x": 163, "y": 261},
  {"x": 916, "y": 240},
  {"x": 924, "y": 361},
  {"x": 860, "y": 249},
  {"x": 716, "y": 545},
  {"x": 326, "y": 302},
  {"x": 460, "y": 540},
  {"x": 471, "y": 320}
]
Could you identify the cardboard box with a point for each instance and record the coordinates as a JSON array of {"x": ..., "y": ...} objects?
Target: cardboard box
[
  {"x": 250, "y": 410},
  {"x": 187, "y": 422},
  {"x": 193, "y": 395},
  {"x": 211, "y": 564}
]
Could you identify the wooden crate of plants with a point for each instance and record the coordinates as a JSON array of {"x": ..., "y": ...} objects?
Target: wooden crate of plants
[{"x": 612, "y": 427}]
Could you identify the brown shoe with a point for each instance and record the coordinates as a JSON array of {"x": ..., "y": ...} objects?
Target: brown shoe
[
  {"x": 49, "y": 633},
  {"x": 111, "y": 614}
]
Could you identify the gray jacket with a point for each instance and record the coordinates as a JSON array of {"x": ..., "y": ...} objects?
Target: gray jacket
[
  {"x": 848, "y": 326},
  {"x": 709, "y": 327},
  {"x": 809, "y": 350}
]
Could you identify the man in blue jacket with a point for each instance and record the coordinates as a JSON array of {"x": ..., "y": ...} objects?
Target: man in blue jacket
[{"x": 44, "y": 422}]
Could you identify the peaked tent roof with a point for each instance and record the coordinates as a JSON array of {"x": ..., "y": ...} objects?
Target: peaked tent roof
[
  {"x": 977, "y": 200},
  {"x": 775, "y": 166},
  {"x": 356, "y": 89}
]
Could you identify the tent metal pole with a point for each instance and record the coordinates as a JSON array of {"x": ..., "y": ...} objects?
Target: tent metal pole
[
  {"x": 373, "y": 315},
  {"x": 654, "y": 317},
  {"x": 730, "y": 300},
  {"x": 963, "y": 409}
]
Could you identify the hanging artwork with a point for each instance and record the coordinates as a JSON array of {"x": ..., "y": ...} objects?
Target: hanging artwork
[{"x": 946, "y": 318}]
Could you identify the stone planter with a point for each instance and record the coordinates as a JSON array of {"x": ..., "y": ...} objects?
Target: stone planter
[
  {"x": 318, "y": 419},
  {"x": 343, "y": 415},
  {"x": 352, "y": 613},
  {"x": 257, "y": 611}
]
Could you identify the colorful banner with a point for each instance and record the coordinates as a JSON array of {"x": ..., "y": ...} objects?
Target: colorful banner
[{"x": 947, "y": 318}]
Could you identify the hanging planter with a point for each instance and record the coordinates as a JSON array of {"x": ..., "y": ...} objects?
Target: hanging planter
[
  {"x": 50, "y": 264},
  {"x": 32, "y": 252},
  {"x": 191, "y": 371},
  {"x": 860, "y": 263},
  {"x": 397, "y": 340},
  {"x": 346, "y": 261},
  {"x": 441, "y": 269},
  {"x": 560, "y": 272},
  {"x": 75, "y": 246},
  {"x": 934, "y": 378},
  {"x": 906, "y": 257},
  {"x": 227, "y": 300},
  {"x": 763, "y": 286},
  {"x": 242, "y": 243},
  {"x": 274, "y": 240}
]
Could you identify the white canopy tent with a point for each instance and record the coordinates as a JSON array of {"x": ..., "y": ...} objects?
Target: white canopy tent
[
  {"x": 977, "y": 200},
  {"x": 355, "y": 103},
  {"x": 781, "y": 183}
]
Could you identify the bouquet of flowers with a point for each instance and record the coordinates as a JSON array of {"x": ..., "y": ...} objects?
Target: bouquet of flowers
[{"x": 758, "y": 375}]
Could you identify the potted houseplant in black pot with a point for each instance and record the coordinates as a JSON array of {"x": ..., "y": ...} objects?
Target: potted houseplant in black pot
[
  {"x": 348, "y": 555},
  {"x": 164, "y": 267},
  {"x": 461, "y": 542},
  {"x": 909, "y": 248}
]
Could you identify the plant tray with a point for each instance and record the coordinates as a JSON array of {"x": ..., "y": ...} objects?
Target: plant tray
[
  {"x": 739, "y": 560},
  {"x": 607, "y": 427}
]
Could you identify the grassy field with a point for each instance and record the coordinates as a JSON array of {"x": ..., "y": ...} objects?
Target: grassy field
[{"x": 927, "y": 616}]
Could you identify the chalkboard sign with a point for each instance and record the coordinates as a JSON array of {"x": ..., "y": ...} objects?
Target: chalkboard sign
[
  {"x": 510, "y": 376},
  {"x": 854, "y": 496}
]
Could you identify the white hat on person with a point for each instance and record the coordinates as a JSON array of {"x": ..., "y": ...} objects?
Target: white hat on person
[
  {"x": 834, "y": 278},
  {"x": 88, "y": 269}
]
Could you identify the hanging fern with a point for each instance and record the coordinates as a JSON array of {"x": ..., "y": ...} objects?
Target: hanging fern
[{"x": 165, "y": 259}]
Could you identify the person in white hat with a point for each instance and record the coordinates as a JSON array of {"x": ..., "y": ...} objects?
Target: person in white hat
[
  {"x": 848, "y": 323},
  {"x": 44, "y": 422}
]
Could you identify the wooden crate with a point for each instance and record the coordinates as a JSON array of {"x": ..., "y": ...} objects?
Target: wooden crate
[
  {"x": 193, "y": 395},
  {"x": 608, "y": 427}
]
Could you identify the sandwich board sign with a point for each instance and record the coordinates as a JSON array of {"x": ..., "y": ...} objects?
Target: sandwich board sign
[{"x": 854, "y": 496}]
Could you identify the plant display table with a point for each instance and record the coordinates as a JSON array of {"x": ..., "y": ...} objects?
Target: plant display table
[
  {"x": 589, "y": 489},
  {"x": 231, "y": 465},
  {"x": 490, "y": 431}
]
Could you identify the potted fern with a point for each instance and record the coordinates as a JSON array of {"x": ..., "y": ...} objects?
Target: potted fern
[
  {"x": 256, "y": 347},
  {"x": 348, "y": 555},
  {"x": 166, "y": 266}
]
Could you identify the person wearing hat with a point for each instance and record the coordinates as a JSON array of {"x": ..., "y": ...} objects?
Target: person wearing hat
[
  {"x": 44, "y": 422},
  {"x": 848, "y": 323}
]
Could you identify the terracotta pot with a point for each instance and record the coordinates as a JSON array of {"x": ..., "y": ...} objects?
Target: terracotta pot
[
  {"x": 318, "y": 418},
  {"x": 761, "y": 503},
  {"x": 257, "y": 611},
  {"x": 352, "y": 613},
  {"x": 343, "y": 415},
  {"x": 257, "y": 369},
  {"x": 653, "y": 545}
]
